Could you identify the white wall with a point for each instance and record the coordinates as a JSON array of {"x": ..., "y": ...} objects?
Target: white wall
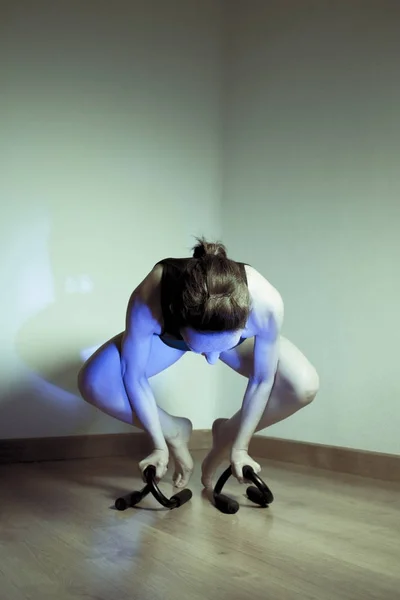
[
  {"x": 110, "y": 138},
  {"x": 312, "y": 199},
  {"x": 111, "y": 159}
]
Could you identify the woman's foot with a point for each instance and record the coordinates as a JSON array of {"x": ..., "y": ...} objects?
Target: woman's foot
[
  {"x": 216, "y": 455},
  {"x": 178, "y": 447}
]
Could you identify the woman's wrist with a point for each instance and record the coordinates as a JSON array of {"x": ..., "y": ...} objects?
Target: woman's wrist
[
  {"x": 162, "y": 447},
  {"x": 159, "y": 442},
  {"x": 238, "y": 449},
  {"x": 239, "y": 444}
]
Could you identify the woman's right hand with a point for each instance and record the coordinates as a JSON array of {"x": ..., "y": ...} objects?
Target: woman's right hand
[{"x": 158, "y": 459}]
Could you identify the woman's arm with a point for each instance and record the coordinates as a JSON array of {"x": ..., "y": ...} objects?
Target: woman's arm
[
  {"x": 258, "y": 391},
  {"x": 141, "y": 324},
  {"x": 261, "y": 379}
]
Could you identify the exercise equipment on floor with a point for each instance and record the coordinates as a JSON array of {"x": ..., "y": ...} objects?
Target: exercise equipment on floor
[
  {"x": 151, "y": 486},
  {"x": 259, "y": 493}
]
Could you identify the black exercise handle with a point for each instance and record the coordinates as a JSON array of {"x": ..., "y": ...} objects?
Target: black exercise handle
[
  {"x": 248, "y": 473},
  {"x": 260, "y": 494},
  {"x": 151, "y": 486},
  {"x": 175, "y": 500},
  {"x": 131, "y": 499},
  {"x": 222, "y": 480}
]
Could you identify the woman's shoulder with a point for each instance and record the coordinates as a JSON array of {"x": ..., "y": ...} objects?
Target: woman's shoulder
[
  {"x": 266, "y": 300},
  {"x": 149, "y": 287},
  {"x": 259, "y": 284},
  {"x": 146, "y": 296}
]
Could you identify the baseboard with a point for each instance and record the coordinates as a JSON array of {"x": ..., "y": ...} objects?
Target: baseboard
[
  {"x": 343, "y": 460},
  {"x": 134, "y": 445},
  {"x": 374, "y": 465}
]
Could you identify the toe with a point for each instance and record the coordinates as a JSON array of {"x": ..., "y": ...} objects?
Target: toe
[
  {"x": 185, "y": 478},
  {"x": 207, "y": 483},
  {"x": 176, "y": 479}
]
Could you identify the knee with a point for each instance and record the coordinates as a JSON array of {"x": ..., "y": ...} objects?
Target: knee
[
  {"x": 82, "y": 380},
  {"x": 307, "y": 386},
  {"x": 88, "y": 382}
]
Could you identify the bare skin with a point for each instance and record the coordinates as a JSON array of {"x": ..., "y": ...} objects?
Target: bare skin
[
  {"x": 295, "y": 386},
  {"x": 280, "y": 379}
]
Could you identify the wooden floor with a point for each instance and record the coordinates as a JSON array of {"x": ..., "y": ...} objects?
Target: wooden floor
[{"x": 326, "y": 537}]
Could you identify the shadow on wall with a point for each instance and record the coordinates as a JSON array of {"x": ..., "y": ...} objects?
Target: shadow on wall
[
  {"x": 66, "y": 295},
  {"x": 46, "y": 405},
  {"x": 59, "y": 309}
]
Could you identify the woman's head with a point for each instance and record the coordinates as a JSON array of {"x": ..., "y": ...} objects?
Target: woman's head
[{"x": 212, "y": 296}]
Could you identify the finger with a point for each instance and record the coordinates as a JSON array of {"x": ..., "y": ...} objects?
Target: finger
[
  {"x": 256, "y": 467},
  {"x": 238, "y": 472},
  {"x": 142, "y": 467},
  {"x": 160, "y": 471}
]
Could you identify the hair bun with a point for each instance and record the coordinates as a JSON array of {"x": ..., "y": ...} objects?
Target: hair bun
[{"x": 204, "y": 248}]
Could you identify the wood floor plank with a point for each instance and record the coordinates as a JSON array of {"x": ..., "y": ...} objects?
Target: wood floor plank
[{"x": 327, "y": 536}]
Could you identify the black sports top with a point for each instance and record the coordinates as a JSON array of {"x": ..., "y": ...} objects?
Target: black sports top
[{"x": 172, "y": 269}]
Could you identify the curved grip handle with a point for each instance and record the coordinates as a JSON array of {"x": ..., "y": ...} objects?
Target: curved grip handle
[
  {"x": 222, "y": 480},
  {"x": 131, "y": 499},
  {"x": 134, "y": 498},
  {"x": 123, "y": 502},
  {"x": 173, "y": 502},
  {"x": 150, "y": 475},
  {"x": 265, "y": 492},
  {"x": 261, "y": 494},
  {"x": 225, "y": 504},
  {"x": 181, "y": 497},
  {"x": 256, "y": 496}
]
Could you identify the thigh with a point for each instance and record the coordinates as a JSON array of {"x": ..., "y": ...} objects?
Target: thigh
[
  {"x": 161, "y": 357},
  {"x": 293, "y": 366},
  {"x": 105, "y": 362}
]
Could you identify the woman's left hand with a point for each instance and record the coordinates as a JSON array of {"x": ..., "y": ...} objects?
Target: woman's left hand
[{"x": 239, "y": 459}]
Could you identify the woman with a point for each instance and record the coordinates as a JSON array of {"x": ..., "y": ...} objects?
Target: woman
[{"x": 222, "y": 310}]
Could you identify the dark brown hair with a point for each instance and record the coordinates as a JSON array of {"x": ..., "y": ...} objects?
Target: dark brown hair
[{"x": 212, "y": 294}]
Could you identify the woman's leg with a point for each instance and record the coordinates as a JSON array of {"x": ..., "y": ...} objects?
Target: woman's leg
[
  {"x": 296, "y": 385},
  {"x": 100, "y": 383}
]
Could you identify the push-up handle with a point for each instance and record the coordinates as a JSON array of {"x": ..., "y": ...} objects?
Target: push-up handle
[
  {"x": 151, "y": 486},
  {"x": 259, "y": 493}
]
